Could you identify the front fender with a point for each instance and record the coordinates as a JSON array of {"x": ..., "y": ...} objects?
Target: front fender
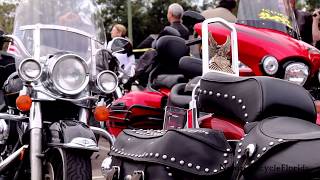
[{"x": 72, "y": 134}]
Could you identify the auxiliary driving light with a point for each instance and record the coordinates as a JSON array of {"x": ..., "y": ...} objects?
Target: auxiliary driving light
[{"x": 29, "y": 70}]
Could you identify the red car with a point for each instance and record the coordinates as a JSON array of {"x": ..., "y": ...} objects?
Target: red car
[{"x": 268, "y": 42}]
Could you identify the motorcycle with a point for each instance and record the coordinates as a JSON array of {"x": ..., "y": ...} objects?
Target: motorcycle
[
  {"x": 61, "y": 83},
  {"x": 270, "y": 30},
  {"x": 157, "y": 72},
  {"x": 279, "y": 125}
]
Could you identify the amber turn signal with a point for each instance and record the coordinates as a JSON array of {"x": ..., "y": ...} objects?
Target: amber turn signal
[
  {"x": 23, "y": 103},
  {"x": 101, "y": 113}
]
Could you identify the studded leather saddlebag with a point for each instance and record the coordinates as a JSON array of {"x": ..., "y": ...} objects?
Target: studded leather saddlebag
[
  {"x": 184, "y": 154},
  {"x": 279, "y": 148}
]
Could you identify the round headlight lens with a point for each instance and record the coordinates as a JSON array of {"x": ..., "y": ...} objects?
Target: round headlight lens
[
  {"x": 107, "y": 81},
  {"x": 270, "y": 65},
  {"x": 70, "y": 74},
  {"x": 30, "y": 70},
  {"x": 296, "y": 73}
]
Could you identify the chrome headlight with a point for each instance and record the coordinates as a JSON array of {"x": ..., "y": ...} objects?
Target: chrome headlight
[
  {"x": 29, "y": 70},
  {"x": 296, "y": 73},
  {"x": 69, "y": 74},
  {"x": 107, "y": 81},
  {"x": 270, "y": 65}
]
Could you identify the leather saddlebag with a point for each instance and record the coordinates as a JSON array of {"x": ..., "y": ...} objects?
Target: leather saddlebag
[
  {"x": 184, "y": 154},
  {"x": 279, "y": 148}
]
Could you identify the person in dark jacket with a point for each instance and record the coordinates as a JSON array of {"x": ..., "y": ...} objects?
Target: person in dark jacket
[
  {"x": 304, "y": 20},
  {"x": 174, "y": 15}
]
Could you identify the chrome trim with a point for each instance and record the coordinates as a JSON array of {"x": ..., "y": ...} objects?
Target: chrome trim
[
  {"x": 84, "y": 115},
  {"x": 23, "y": 77},
  {"x": 81, "y": 142},
  {"x": 99, "y": 84},
  {"x": 61, "y": 145},
  {"x": 35, "y": 122},
  {"x": 52, "y": 65},
  {"x": 118, "y": 92},
  {"x": 12, "y": 157},
  {"x": 55, "y": 97},
  {"x": 105, "y": 134},
  {"x": 13, "y": 117},
  {"x": 205, "y": 45},
  {"x": 57, "y": 27}
]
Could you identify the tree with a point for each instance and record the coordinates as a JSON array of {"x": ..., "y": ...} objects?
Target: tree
[
  {"x": 148, "y": 17},
  {"x": 311, "y": 4},
  {"x": 7, "y": 16}
]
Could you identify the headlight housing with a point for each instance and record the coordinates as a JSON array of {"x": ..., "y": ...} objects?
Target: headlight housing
[
  {"x": 69, "y": 74},
  {"x": 29, "y": 70},
  {"x": 270, "y": 65},
  {"x": 297, "y": 73},
  {"x": 107, "y": 81}
]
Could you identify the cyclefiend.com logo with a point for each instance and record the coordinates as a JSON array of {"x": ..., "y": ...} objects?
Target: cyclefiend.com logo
[{"x": 285, "y": 168}]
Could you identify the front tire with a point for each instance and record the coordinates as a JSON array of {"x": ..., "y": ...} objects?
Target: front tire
[{"x": 65, "y": 164}]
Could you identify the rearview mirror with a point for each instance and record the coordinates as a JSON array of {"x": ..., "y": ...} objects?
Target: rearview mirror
[{"x": 120, "y": 45}]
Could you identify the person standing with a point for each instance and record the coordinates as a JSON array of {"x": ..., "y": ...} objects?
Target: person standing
[
  {"x": 174, "y": 16},
  {"x": 304, "y": 20},
  {"x": 315, "y": 28},
  {"x": 223, "y": 10}
]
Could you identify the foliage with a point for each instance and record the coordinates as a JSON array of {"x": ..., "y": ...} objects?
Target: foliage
[
  {"x": 312, "y": 4},
  {"x": 7, "y": 16},
  {"x": 148, "y": 17}
]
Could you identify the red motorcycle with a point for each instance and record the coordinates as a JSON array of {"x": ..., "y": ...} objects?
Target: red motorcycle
[{"x": 144, "y": 109}]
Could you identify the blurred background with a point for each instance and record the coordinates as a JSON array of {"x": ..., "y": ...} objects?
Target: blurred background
[{"x": 145, "y": 16}]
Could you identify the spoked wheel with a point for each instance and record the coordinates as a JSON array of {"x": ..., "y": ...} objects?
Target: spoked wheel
[{"x": 65, "y": 164}]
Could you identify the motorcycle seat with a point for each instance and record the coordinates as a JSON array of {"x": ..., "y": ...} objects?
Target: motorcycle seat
[
  {"x": 167, "y": 80},
  {"x": 250, "y": 99},
  {"x": 178, "y": 97}
]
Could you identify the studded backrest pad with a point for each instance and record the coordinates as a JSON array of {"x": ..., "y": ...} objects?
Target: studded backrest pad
[
  {"x": 202, "y": 152},
  {"x": 284, "y": 148},
  {"x": 251, "y": 99}
]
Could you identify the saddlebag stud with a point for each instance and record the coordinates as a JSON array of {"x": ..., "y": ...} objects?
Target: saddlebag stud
[
  {"x": 226, "y": 96},
  {"x": 181, "y": 162},
  {"x": 233, "y": 97},
  {"x": 170, "y": 174},
  {"x": 189, "y": 165},
  {"x": 251, "y": 149},
  {"x": 215, "y": 171},
  {"x": 271, "y": 143},
  {"x": 206, "y": 170},
  {"x": 198, "y": 167},
  {"x": 218, "y": 94},
  {"x": 164, "y": 157},
  {"x": 173, "y": 159},
  {"x": 240, "y": 101},
  {"x": 210, "y": 93}
]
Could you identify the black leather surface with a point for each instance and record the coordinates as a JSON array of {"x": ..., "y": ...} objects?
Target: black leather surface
[
  {"x": 285, "y": 148},
  {"x": 170, "y": 49},
  {"x": 190, "y": 66},
  {"x": 203, "y": 151},
  {"x": 168, "y": 80},
  {"x": 251, "y": 99},
  {"x": 178, "y": 97}
]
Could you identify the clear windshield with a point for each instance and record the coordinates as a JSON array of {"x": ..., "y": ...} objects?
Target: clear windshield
[
  {"x": 271, "y": 14},
  {"x": 79, "y": 14}
]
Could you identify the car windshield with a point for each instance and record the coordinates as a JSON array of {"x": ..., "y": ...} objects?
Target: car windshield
[{"x": 271, "y": 14}]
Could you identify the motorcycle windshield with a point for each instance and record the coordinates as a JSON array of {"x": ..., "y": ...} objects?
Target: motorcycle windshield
[
  {"x": 78, "y": 14},
  {"x": 271, "y": 14}
]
